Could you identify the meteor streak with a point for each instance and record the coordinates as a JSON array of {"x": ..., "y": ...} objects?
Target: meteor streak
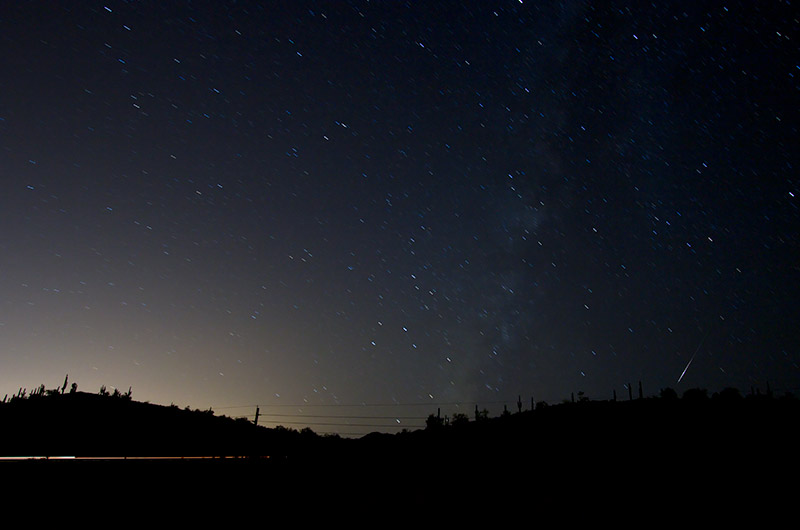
[
  {"x": 692, "y": 359},
  {"x": 687, "y": 367}
]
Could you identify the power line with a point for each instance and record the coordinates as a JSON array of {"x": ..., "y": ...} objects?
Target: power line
[
  {"x": 327, "y": 424},
  {"x": 261, "y": 415},
  {"x": 356, "y": 405}
]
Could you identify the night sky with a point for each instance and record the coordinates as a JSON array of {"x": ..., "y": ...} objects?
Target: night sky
[{"x": 311, "y": 205}]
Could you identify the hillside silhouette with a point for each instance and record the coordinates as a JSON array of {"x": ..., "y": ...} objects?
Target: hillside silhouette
[
  {"x": 82, "y": 424},
  {"x": 714, "y": 450}
]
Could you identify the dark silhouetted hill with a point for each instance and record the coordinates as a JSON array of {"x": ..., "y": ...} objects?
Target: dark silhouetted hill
[
  {"x": 94, "y": 425},
  {"x": 698, "y": 452}
]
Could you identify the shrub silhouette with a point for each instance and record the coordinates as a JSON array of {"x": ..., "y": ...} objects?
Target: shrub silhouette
[
  {"x": 695, "y": 394},
  {"x": 434, "y": 422},
  {"x": 729, "y": 394},
  {"x": 460, "y": 419},
  {"x": 668, "y": 394}
]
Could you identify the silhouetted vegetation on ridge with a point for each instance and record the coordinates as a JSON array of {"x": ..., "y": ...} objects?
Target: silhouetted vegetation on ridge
[
  {"x": 53, "y": 423},
  {"x": 56, "y": 422},
  {"x": 722, "y": 448}
]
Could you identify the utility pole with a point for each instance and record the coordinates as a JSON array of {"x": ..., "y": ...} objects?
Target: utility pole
[{"x": 256, "y": 420}]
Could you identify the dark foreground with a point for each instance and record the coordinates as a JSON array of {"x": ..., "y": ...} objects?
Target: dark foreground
[
  {"x": 703, "y": 483},
  {"x": 636, "y": 463}
]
